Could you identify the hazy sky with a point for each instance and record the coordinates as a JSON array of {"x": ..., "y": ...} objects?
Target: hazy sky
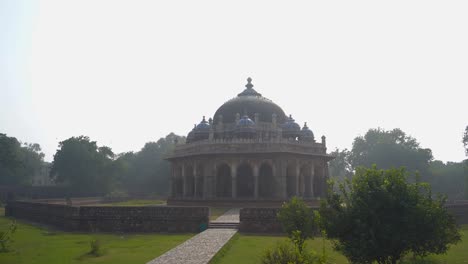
[{"x": 128, "y": 72}]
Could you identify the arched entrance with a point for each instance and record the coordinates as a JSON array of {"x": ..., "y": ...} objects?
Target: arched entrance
[
  {"x": 178, "y": 182},
  {"x": 245, "y": 181},
  {"x": 319, "y": 184},
  {"x": 223, "y": 181},
  {"x": 266, "y": 182}
]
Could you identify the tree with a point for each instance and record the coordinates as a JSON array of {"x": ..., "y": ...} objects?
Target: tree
[
  {"x": 146, "y": 172},
  {"x": 297, "y": 221},
  {"x": 465, "y": 140},
  {"x": 83, "y": 166},
  {"x": 387, "y": 149},
  {"x": 380, "y": 216},
  {"x": 340, "y": 166},
  {"x": 448, "y": 178},
  {"x": 18, "y": 162}
]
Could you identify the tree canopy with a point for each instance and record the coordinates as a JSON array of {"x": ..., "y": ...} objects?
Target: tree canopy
[
  {"x": 380, "y": 216},
  {"x": 390, "y": 148},
  {"x": 19, "y": 162},
  {"x": 82, "y": 165},
  {"x": 465, "y": 140}
]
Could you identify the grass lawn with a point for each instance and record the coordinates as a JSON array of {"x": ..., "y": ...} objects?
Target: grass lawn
[
  {"x": 135, "y": 203},
  {"x": 39, "y": 245},
  {"x": 246, "y": 249}
]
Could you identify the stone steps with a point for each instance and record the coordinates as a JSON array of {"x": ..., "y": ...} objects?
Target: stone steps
[{"x": 224, "y": 225}]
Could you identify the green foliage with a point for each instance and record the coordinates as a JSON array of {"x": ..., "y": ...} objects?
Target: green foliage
[
  {"x": 6, "y": 237},
  {"x": 96, "y": 248},
  {"x": 465, "y": 140},
  {"x": 289, "y": 253},
  {"x": 389, "y": 149},
  {"x": 379, "y": 216},
  {"x": 340, "y": 167},
  {"x": 146, "y": 171},
  {"x": 82, "y": 165},
  {"x": 448, "y": 178},
  {"x": 18, "y": 162},
  {"x": 297, "y": 221}
]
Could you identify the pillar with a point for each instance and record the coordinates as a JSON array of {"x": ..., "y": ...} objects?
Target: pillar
[
  {"x": 195, "y": 181},
  {"x": 297, "y": 172},
  {"x": 255, "y": 174},
  {"x": 312, "y": 176},
  {"x": 184, "y": 182},
  {"x": 234, "y": 180},
  {"x": 282, "y": 179}
]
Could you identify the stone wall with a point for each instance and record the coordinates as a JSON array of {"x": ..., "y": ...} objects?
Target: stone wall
[
  {"x": 112, "y": 218},
  {"x": 259, "y": 220},
  {"x": 263, "y": 220}
]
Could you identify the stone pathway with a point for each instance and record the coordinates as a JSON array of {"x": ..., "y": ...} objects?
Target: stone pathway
[
  {"x": 231, "y": 216},
  {"x": 201, "y": 248}
]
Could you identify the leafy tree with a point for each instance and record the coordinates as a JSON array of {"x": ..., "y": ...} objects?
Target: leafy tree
[
  {"x": 340, "y": 166},
  {"x": 18, "y": 162},
  {"x": 448, "y": 178},
  {"x": 380, "y": 216},
  {"x": 465, "y": 140},
  {"x": 83, "y": 166},
  {"x": 297, "y": 221},
  {"x": 387, "y": 149},
  {"x": 146, "y": 172}
]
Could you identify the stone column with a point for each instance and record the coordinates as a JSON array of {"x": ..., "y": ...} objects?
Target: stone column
[
  {"x": 296, "y": 175},
  {"x": 172, "y": 180},
  {"x": 255, "y": 174},
  {"x": 184, "y": 181},
  {"x": 282, "y": 180},
  {"x": 234, "y": 180},
  {"x": 312, "y": 176},
  {"x": 195, "y": 181}
]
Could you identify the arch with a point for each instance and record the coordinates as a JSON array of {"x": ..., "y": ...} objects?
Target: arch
[
  {"x": 200, "y": 181},
  {"x": 291, "y": 180},
  {"x": 305, "y": 178},
  {"x": 189, "y": 181},
  {"x": 245, "y": 181},
  {"x": 223, "y": 181},
  {"x": 266, "y": 181}
]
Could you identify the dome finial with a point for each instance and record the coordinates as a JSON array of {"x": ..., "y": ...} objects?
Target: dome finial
[{"x": 249, "y": 84}]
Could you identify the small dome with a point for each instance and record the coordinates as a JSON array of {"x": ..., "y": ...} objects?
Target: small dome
[
  {"x": 204, "y": 126},
  {"x": 307, "y": 134},
  {"x": 245, "y": 127},
  {"x": 191, "y": 135},
  {"x": 290, "y": 128}
]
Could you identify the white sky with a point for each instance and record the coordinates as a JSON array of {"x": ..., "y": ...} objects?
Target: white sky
[{"x": 128, "y": 72}]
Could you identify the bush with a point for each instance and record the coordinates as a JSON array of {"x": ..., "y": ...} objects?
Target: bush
[
  {"x": 288, "y": 253},
  {"x": 6, "y": 237},
  {"x": 297, "y": 221},
  {"x": 96, "y": 248},
  {"x": 379, "y": 216}
]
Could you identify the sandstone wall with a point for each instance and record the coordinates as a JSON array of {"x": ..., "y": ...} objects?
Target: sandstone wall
[{"x": 112, "y": 218}]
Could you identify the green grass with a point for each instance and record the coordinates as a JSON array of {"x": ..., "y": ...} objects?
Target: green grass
[
  {"x": 216, "y": 212},
  {"x": 135, "y": 203},
  {"x": 39, "y": 245},
  {"x": 249, "y": 249}
]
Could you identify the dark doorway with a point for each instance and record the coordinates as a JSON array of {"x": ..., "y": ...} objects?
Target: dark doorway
[
  {"x": 266, "y": 182},
  {"x": 245, "y": 181},
  {"x": 223, "y": 181}
]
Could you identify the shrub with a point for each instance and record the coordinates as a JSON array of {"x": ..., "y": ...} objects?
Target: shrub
[
  {"x": 288, "y": 253},
  {"x": 379, "y": 216},
  {"x": 297, "y": 221},
  {"x": 6, "y": 237},
  {"x": 96, "y": 248}
]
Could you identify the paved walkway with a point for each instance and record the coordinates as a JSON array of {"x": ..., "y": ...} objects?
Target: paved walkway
[
  {"x": 231, "y": 216},
  {"x": 201, "y": 248}
]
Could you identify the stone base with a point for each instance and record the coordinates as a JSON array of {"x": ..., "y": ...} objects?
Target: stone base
[{"x": 239, "y": 203}]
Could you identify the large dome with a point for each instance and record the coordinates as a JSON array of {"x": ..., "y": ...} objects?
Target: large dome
[{"x": 249, "y": 102}]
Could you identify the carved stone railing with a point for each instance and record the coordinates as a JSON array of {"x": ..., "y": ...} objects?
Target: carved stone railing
[{"x": 238, "y": 146}]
